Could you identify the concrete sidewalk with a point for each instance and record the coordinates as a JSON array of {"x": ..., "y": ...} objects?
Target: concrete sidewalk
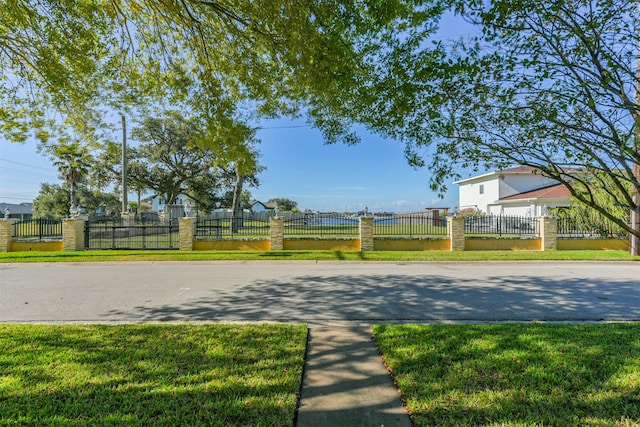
[{"x": 346, "y": 383}]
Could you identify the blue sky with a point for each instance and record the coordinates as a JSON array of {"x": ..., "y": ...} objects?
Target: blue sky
[
  {"x": 299, "y": 166},
  {"x": 338, "y": 177}
]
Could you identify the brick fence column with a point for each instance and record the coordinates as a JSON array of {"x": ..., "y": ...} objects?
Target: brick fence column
[
  {"x": 276, "y": 232},
  {"x": 366, "y": 233},
  {"x": 455, "y": 226},
  {"x": 72, "y": 234},
  {"x": 6, "y": 232},
  {"x": 186, "y": 231},
  {"x": 548, "y": 233}
]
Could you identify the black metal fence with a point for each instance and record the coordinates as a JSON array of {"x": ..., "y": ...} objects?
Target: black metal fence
[
  {"x": 501, "y": 225},
  {"x": 410, "y": 225},
  {"x": 323, "y": 225},
  {"x": 38, "y": 228},
  {"x": 218, "y": 228},
  {"x": 595, "y": 227},
  {"x": 143, "y": 232}
]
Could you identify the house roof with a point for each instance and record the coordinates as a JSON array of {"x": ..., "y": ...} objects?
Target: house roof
[
  {"x": 22, "y": 208},
  {"x": 557, "y": 191},
  {"x": 267, "y": 205},
  {"x": 517, "y": 170}
]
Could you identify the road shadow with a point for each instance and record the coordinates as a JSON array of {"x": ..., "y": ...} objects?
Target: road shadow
[{"x": 402, "y": 298}]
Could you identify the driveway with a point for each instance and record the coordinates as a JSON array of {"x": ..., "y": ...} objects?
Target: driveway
[{"x": 320, "y": 292}]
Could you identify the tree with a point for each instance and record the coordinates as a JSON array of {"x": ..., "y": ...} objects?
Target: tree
[
  {"x": 74, "y": 162},
  {"x": 168, "y": 158},
  {"x": 178, "y": 155},
  {"x": 77, "y": 57},
  {"x": 241, "y": 155},
  {"x": 587, "y": 218},
  {"x": 546, "y": 84},
  {"x": 53, "y": 200},
  {"x": 284, "y": 204},
  {"x": 543, "y": 84}
]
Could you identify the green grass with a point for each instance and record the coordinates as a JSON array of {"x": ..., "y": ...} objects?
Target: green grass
[
  {"x": 516, "y": 374},
  {"x": 153, "y": 375},
  {"x": 398, "y": 256}
]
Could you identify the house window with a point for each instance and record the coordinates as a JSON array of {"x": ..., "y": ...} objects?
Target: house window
[{"x": 481, "y": 188}]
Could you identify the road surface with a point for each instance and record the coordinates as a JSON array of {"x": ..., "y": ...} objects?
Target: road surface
[{"x": 319, "y": 292}]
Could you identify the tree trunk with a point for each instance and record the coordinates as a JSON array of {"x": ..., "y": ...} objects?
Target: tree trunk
[
  {"x": 73, "y": 178},
  {"x": 236, "y": 209},
  {"x": 72, "y": 208}
]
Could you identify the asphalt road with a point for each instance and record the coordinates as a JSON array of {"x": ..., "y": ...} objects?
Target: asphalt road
[{"x": 319, "y": 293}]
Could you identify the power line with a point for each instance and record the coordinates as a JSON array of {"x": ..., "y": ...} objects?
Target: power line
[
  {"x": 22, "y": 171},
  {"x": 16, "y": 198},
  {"x": 23, "y": 164}
]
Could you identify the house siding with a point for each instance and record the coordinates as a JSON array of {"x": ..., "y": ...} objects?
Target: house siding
[
  {"x": 470, "y": 196},
  {"x": 502, "y": 184}
]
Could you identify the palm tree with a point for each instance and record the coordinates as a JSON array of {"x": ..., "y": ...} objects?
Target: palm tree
[{"x": 73, "y": 161}]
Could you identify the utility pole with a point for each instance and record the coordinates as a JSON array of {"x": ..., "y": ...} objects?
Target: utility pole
[{"x": 125, "y": 202}]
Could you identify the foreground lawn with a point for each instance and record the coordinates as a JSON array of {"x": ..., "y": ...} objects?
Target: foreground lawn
[
  {"x": 516, "y": 374},
  {"x": 146, "y": 255},
  {"x": 153, "y": 375}
]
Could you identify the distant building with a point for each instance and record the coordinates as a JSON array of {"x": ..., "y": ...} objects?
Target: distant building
[
  {"x": 22, "y": 211},
  {"x": 159, "y": 203},
  {"x": 515, "y": 191},
  {"x": 258, "y": 206}
]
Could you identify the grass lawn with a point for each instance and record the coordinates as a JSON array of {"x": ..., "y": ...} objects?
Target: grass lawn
[
  {"x": 516, "y": 374},
  {"x": 152, "y": 375},
  {"x": 249, "y": 375},
  {"x": 172, "y": 255}
]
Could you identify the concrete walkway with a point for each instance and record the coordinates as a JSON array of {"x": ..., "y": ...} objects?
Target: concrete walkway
[{"x": 346, "y": 383}]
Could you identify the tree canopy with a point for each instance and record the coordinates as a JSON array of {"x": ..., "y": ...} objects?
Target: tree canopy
[
  {"x": 544, "y": 84},
  {"x": 174, "y": 155},
  {"x": 53, "y": 200},
  {"x": 284, "y": 204},
  {"x": 550, "y": 85},
  {"x": 74, "y": 57},
  {"x": 74, "y": 161}
]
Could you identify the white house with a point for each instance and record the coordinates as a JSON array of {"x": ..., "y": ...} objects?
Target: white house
[
  {"x": 176, "y": 210},
  {"x": 515, "y": 191}
]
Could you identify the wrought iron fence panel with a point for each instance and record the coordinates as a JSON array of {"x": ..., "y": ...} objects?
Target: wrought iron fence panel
[
  {"x": 104, "y": 219},
  {"x": 416, "y": 225},
  {"x": 115, "y": 235},
  {"x": 321, "y": 225},
  {"x": 224, "y": 227},
  {"x": 208, "y": 229},
  {"x": 38, "y": 228},
  {"x": 589, "y": 228},
  {"x": 502, "y": 225},
  {"x": 150, "y": 218}
]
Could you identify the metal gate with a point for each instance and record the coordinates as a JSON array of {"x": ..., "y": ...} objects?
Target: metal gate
[{"x": 146, "y": 231}]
